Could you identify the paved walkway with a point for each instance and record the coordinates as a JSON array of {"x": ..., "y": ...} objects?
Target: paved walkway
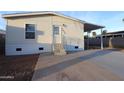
[{"x": 86, "y": 65}]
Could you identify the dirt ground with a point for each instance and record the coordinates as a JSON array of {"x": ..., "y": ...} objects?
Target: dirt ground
[{"x": 17, "y": 68}]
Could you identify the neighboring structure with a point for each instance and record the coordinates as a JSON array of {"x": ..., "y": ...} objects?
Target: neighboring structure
[
  {"x": 114, "y": 34},
  {"x": 2, "y": 41},
  {"x": 111, "y": 39},
  {"x": 38, "y": 32}
]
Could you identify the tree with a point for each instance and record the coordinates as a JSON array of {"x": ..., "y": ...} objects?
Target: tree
[
  {"x": 104, "y": 32},
  {"x": 123, "y": 20}
]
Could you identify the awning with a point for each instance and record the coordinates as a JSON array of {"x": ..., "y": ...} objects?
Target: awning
[{"x": 88, "y": 27}]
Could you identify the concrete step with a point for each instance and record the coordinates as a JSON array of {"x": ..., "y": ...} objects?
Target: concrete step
[{"x": 59, "y": 49}]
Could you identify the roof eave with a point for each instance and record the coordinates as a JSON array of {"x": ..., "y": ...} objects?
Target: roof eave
[
  {"x": 6, "y": 16},
  {"x": 39, "y": 13}
]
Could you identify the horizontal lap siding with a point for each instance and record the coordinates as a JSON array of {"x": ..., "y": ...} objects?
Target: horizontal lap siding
[
  {"x": 73, "y": 33},
  {"x": 16, "y": 36},
  {"x": 27, "y": 49},
  {"x": 44, "y": 35}
]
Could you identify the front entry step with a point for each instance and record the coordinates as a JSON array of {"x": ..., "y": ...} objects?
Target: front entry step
[{"x": 59, "y": 49}]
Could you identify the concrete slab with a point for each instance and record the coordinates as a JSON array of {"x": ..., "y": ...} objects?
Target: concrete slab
[
  {"x": 113, "y": 61},
  {"x": 88, "y": 65}
]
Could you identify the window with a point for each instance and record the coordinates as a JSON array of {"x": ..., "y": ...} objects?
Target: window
[
  {"x": 30, "y": 31},
  {"x": 56, "y": 30}
]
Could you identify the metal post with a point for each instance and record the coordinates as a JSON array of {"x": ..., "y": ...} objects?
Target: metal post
[
  {"x": 88, "y": 37},
  {"x": 87, "y": 40},
  {"x": 101, "y": 40}
]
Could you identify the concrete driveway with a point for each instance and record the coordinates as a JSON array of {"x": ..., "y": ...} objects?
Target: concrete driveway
[{"x": 94, "y": 65}]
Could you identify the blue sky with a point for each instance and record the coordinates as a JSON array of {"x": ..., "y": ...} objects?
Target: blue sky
[{"x": 111, "y": 20}]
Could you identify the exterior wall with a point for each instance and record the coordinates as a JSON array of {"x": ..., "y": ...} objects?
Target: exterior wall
[
  {"x": 73, "y": 33},
  {"x": 15, "y": 36}
]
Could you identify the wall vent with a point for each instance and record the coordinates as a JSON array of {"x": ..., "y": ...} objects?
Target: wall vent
[
  {"x": 18, "y": 49},
  {"x": 76, "y": 47},
  {"x": 41, "y": 48}
]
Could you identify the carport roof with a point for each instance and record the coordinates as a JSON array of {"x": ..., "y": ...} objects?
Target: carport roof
[{"x": 87, "y": 26}]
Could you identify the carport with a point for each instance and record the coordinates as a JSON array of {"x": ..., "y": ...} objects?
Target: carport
[{"x": 88, "y": 27}]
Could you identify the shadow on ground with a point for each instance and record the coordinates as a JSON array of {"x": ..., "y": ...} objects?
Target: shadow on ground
[{"x": 62, "y": 65}]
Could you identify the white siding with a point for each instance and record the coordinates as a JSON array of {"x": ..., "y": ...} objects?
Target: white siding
[{"x": 15, "y": 36}]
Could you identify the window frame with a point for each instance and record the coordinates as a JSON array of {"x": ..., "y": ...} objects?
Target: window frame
[{"x": 27, "y": 31}]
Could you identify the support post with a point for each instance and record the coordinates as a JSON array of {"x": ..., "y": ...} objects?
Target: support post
[
  {"x": 101, "y": 39},
  {"x": 88, "y": 39}
]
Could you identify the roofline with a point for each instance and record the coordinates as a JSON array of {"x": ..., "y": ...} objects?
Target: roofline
[
  {"x": 46, "y": 12},
  {"x": 94, "y": 24},
  {"x": 38, "y": 13}
]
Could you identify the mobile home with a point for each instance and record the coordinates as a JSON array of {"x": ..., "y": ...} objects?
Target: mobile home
[{"x": 39, "y": 32}]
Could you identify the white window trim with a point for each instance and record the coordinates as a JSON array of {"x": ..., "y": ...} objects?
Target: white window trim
[{"x": 30, "y": 31}]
